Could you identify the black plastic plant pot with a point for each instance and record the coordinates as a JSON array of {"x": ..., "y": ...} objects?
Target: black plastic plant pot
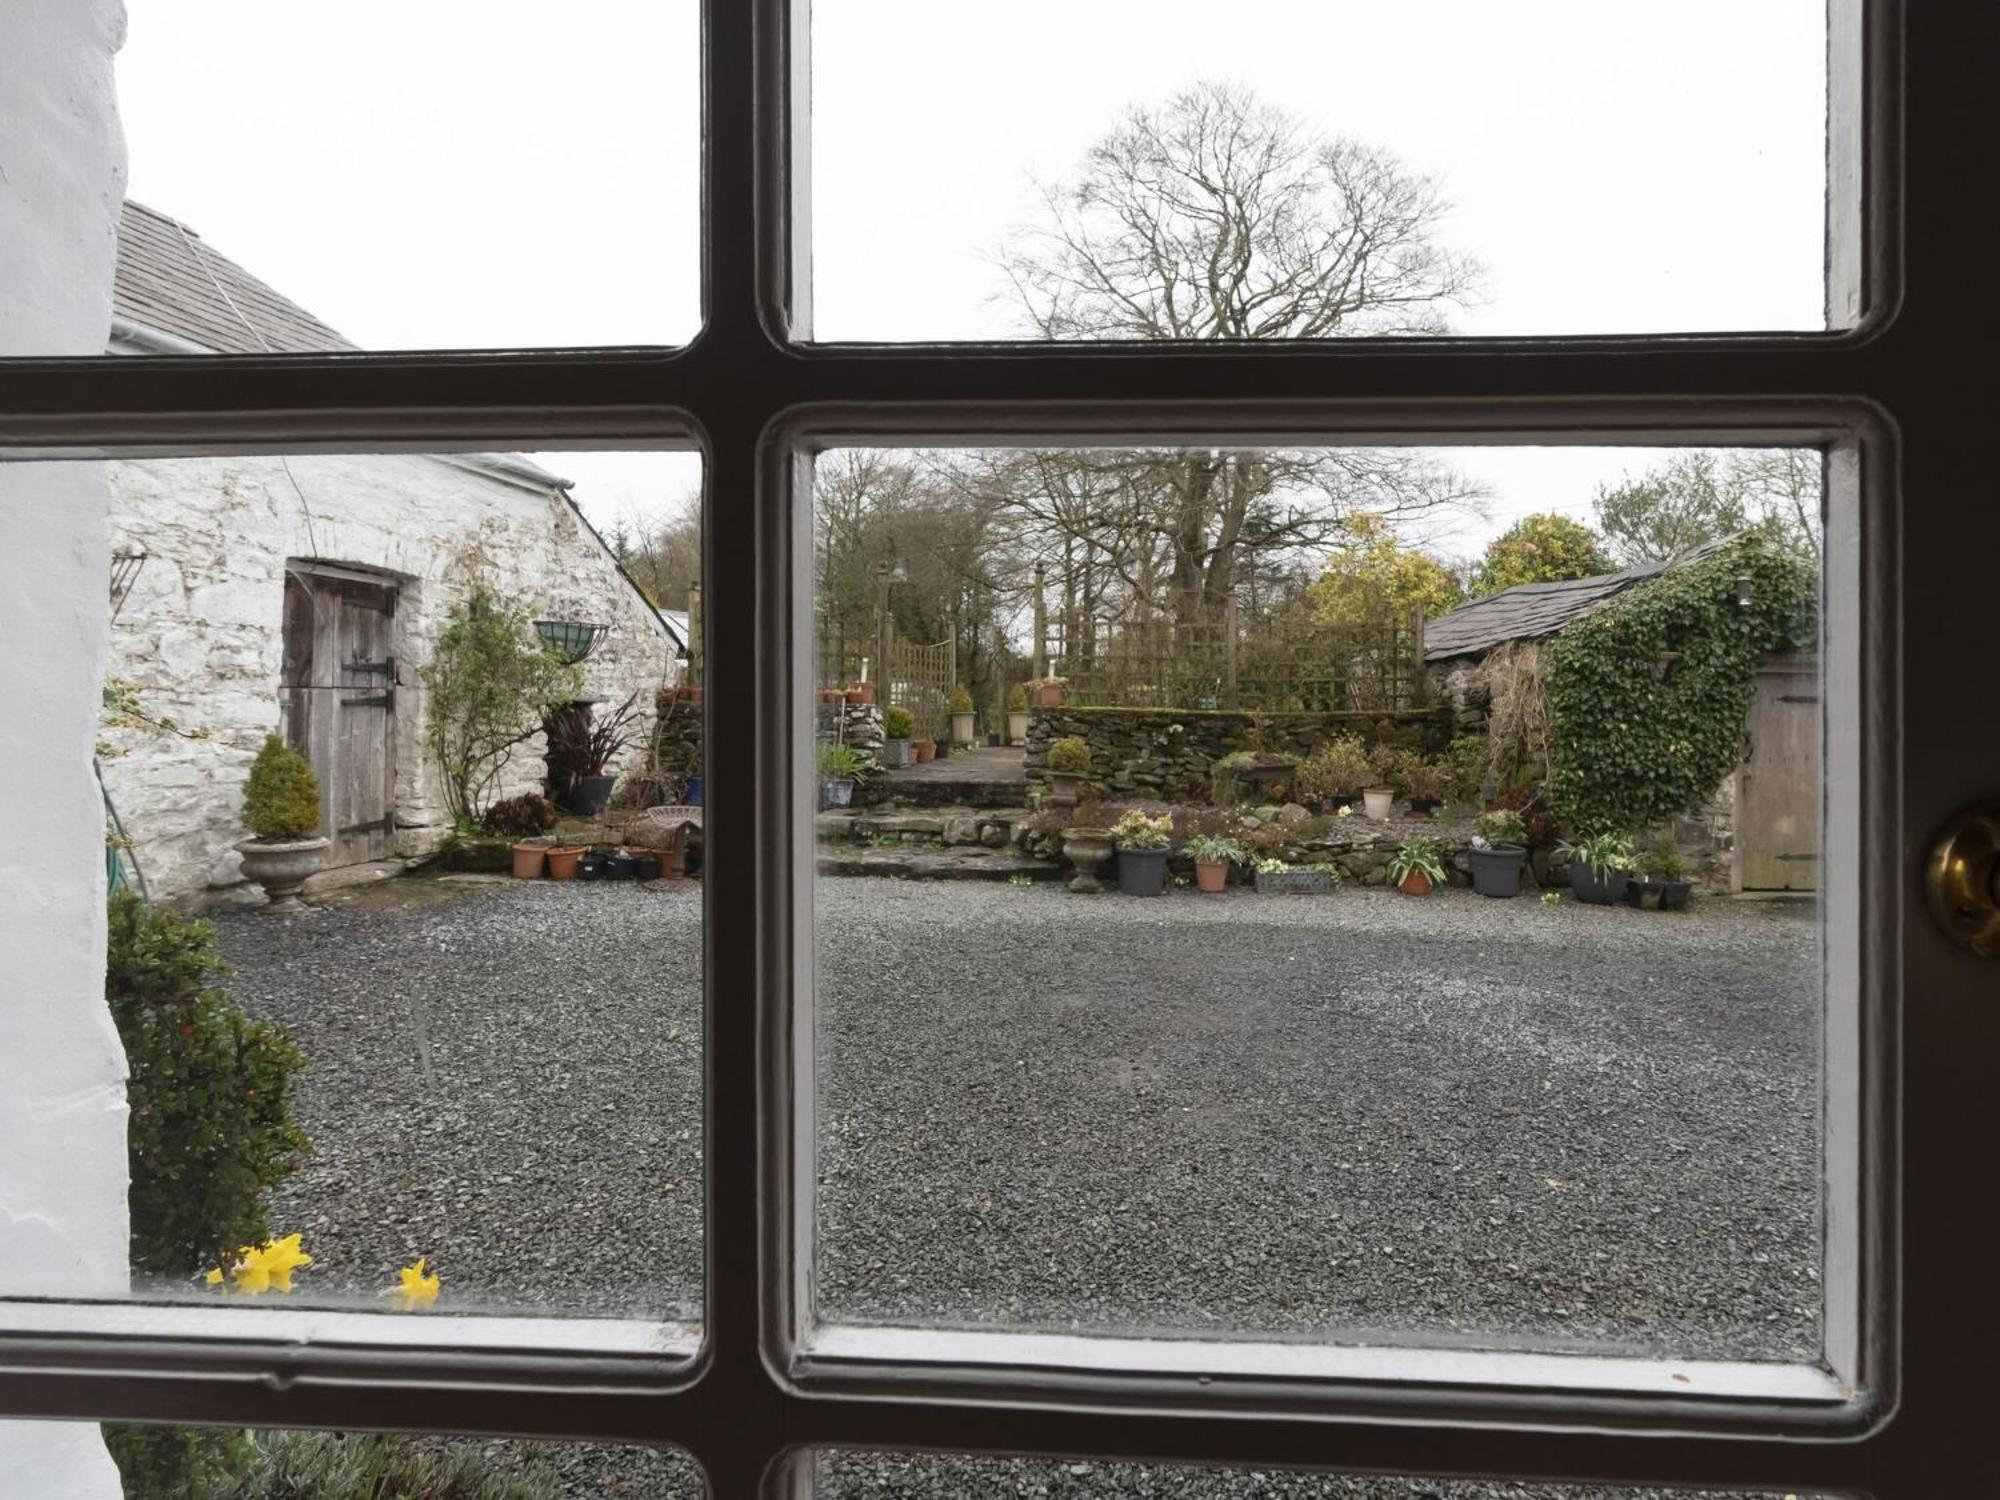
[
  {"x": 645, "y": 867},
  {"x": 620, "y": 867},
  {"x": 1497, "y": 871},
  {"x": 1594, "y": 887},
  {"x": 1674, "y": 894},
  {"x": 590, "y": 867},
  {"x": 1142, "y": 872},
  {"x": 1644, "y": 893},
  {"x": 588, "y": 794}
]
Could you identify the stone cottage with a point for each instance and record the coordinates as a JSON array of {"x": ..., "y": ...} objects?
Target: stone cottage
[
  {"x": 302, "y": 594},
  {"x": 1760, "y": 832}
]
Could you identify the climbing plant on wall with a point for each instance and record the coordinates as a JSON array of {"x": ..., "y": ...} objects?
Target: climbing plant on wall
[{"x": 1648, "y": 696}]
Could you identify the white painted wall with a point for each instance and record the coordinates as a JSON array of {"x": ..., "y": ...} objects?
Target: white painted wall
[
  {"x": 63, "y": 1227},
  {"x": 200, "y": 635}
]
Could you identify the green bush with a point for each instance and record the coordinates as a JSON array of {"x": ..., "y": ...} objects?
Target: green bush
[
  {"x": 1069, "y": 756},
  {"x": 898, "y": 723},
  {"x": 179, "y": 1463},
  {"x": 1649, "y": 695},
  {"x": 961, "y": 699},
  {"x": 281, "y": 798},
  {"x": 1467, "y": 759},
  {"x": 210, "y": 1092},
  {"x": 1017, "y": 699},
  {"x": 1339, "y": 768},
  {"x": 295, "y": 1465}
]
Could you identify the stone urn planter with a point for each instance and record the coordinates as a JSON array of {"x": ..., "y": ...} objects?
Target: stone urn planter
[
  {"x": 961, "y": 728},
  {"x": 1063, "y": 788},
  {"x": 1017, "y": 729},
  {"x": 1088, "y": 850},
  {"x": 1379, "y": 802},
  {"x": 1496, "y": 871},
  {"x": 282, "y": 867}
]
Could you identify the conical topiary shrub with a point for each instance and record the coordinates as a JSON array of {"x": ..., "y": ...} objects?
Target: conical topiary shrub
[{"x": 281, "y": 798}]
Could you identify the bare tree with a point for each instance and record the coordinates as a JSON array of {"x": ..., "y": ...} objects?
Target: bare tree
[
  {"x": 1704, "y": 494},
  {"x": 1214, "y": 216}
]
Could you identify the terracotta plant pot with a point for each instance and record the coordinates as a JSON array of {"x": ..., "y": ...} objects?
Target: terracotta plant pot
[
  {"x": 924, "y": 750},
  {"x": 861, "y": 692},
  {"x": 1211, "y": 874},
  {"x": 1416, "y": 883},
  {"x": 689, "y": 694},
  {"x": 1379, "y": 802},
  {"x": 1048, "y": 695},
  {"x": 563, "y": 861},
  {"x": 528, "y": 859},
  {"x": 831, "y": 695}
]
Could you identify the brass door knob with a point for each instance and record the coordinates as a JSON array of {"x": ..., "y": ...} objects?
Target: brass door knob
[{"x": 1962, "y": 880}]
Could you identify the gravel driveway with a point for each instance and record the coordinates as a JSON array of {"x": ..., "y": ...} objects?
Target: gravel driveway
[{"x": 1522, "y": 1124}]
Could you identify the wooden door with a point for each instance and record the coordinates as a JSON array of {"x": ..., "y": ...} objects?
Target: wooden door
[
  {"x": 340, "y": 704},
  {"x": 1778, "y": 787}
]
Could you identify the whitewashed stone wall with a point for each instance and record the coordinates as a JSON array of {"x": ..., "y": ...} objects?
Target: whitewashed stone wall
[
  {"x": 63, "y": 1228},
  {"x": 200, "y": 635}
]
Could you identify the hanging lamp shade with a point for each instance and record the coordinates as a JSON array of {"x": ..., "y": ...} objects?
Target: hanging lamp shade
[{"x": 570, "y": 641}]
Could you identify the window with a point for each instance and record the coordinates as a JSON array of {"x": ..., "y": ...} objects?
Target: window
[{"x": 1909, "y": 741}]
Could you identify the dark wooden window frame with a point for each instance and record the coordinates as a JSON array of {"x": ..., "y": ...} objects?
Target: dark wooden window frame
[{"x": 757, "y": 1386}]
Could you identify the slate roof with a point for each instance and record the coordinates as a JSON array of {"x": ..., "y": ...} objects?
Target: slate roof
[
  {"x": 171, "y": 282},
  {"x": 1533, "y": 610}
]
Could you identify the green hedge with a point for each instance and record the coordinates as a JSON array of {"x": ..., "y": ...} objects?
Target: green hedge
[{"x": 1639, "y": 736}]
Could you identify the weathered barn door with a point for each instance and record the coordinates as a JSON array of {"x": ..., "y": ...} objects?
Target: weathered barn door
[
  {"x": 1778, "y": 787},
  {"x": 340, "y": 703}
]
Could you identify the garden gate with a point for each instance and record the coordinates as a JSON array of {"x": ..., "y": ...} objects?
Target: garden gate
[
  {"x": 1778, "y": 784},
  {"x": 920, "y": 678}
]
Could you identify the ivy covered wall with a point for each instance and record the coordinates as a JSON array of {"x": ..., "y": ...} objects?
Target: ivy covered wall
[{"x": 1648, "y": 696}]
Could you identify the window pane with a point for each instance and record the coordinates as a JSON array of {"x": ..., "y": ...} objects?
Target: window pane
[
  {"x": 1341, "y": 1112},
  {"x": 1316, "y": 169},
  {"x": 417, "y": 1081},
  {"x": 389, "y": 177},
  {"x": 165, "y": 1463},
  {"x": 864, "y": 1476}
]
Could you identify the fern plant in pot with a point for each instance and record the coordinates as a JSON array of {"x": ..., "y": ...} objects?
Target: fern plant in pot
[{"x": 281, "y": 810}]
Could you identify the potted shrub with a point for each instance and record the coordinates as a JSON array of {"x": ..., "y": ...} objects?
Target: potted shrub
[
  {"x": 897, "y": 724},
  {"x": 1598, "y": 867},
  {"x": 1417, "y": 866},
  {"x": 583, "y": 743},
  {"x": 1333, "y": 775},
  {"x": 923, "y": 751},
  {"x": 1017, "y": 715},
  {"x": 1378, "y": 798},
  {"x": 962, "y": 715},
  {"x": 1428, "y": 783},
  {"x": 1142, "y": 852},
  {"x": 1276, "y": 878},
  {"x": 839, "y": 766},
  {"x": 1661, "y": 884},
  {"x": 1499, "y": 849},
  {"x": 281, "y": 810},
  {"x": 1212, "y": 858},
  {"x": 1069, "y": 764},
  {"x": 1047, "y": 691}
]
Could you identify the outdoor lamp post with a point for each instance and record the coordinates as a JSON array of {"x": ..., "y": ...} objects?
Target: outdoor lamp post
[{"x": 887, "y": 576}]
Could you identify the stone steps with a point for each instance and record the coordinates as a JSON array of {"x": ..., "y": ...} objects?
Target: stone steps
[
  {"x": 965, "y": 862},
  {"x": 955, "y": 825}
]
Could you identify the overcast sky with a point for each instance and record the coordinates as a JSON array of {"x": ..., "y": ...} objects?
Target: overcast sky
[{"x": 483, "y": 173}]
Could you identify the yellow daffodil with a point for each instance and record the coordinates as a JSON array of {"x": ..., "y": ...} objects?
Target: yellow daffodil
[
  {"x": 261, "y": 1268},
  {"x": 414, "y": 1288}
]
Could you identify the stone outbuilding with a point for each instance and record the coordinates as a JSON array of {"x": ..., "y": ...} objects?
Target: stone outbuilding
[
  {"x": 1760, "y": 831},
  {"x": 303, "y": 594}
]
